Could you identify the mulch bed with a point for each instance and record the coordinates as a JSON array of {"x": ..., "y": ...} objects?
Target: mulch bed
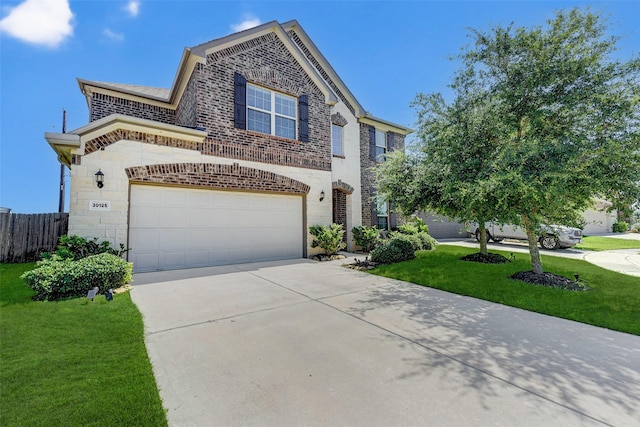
[
  {"x": 485, "y": 259},
  {"x": 364, "y": 265},
  {"x": 550, "y": 280},
  {"x": 323, "y": 257}
]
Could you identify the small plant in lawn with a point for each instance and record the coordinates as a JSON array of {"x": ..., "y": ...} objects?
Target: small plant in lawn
[
  {"x": 328, "y": 238},
  {"x": 365, "y": 237}
]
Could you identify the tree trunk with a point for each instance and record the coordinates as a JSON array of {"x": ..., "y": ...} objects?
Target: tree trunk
[
  {"x": 534, "y": 252},
  {"x": 483, "y": 239}
]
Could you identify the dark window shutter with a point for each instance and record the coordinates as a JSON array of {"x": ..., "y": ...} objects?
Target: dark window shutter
[
  {"x": 374, "y": 207},
  {"x": 393, "y": 218},
  {"x": 303, "y": 118},
  {"x": 390, "y": 141},
  {"x": 239, "y": 101},
  {"x": 372, "y": 143}
]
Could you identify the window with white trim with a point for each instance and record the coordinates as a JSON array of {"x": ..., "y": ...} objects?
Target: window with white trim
[
  {"x": 382, "y": 212},
  {"x": 381, "y": 146},
  {"x": 336, "y": 141},
  {"x": 271, "y": 112}
]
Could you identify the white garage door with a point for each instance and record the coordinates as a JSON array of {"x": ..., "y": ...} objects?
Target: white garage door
[{"x": 172, "y": 228}]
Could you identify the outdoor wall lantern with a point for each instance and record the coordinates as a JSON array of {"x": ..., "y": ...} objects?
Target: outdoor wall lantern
[
  {"x": 100, "y": 179},
  {"x": 322, "y": 195}
]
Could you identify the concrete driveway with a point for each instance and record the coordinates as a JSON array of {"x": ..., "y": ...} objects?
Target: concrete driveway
[{"x": 306, "y": 343}]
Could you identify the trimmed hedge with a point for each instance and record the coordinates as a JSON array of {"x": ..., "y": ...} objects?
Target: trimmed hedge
[
  {"x": 56, "y": 278},
  {"x": 398, "y": 248}
]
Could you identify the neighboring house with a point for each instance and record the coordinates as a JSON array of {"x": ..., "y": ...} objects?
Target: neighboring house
[
  {"x": 256, "y": 140},
  {"x": 598, "y": 220}
]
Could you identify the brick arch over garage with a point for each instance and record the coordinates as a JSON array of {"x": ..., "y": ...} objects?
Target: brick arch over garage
[{"x": 215, "y": 175}]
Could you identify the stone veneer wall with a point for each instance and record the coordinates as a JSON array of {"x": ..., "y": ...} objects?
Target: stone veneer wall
[
  {"x": 104, "y": 105},
  {"x": 366, "y": 170}
]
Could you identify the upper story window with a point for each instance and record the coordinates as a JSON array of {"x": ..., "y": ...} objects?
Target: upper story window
[
  {"x": 271, "y": 112},
  {"x": 381, "y": 146},
  {"x": 380, "y": 143},
  {"x": 337, "y": 146}
]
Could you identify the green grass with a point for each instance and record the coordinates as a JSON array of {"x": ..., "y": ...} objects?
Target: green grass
[
  {"x": 73, "y": 362},
  {"x": 613, "y": 302},
  {"x": 596, "y": 243}
]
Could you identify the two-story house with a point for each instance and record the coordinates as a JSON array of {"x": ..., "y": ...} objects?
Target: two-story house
[{"x": 257, "y": 139}]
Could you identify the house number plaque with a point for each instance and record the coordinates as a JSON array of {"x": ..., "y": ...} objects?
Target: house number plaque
[{"x": 99, "y": 205}]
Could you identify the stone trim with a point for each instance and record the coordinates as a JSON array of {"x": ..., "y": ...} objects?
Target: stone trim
[
  {"x": 342, "y": 186},
  {"x": 212, "y": 147},
  {"x": 216, "y": 176},
  {"x": 338, "y": 120}
]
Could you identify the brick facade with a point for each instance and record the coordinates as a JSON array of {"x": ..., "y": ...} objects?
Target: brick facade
[
  {"x": 264, "y": 61},
  {"x": 367, "y": 178},
  {"x": 216, "y": 176},
  {"x": 103, "y": 105}
]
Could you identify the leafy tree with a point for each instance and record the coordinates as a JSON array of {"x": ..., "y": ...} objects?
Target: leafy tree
[
  {"x": 448, "y": 170},
  {"x": 562, "y": 116}
]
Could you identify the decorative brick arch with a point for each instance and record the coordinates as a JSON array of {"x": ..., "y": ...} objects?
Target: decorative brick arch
[
  {"x": 342, "y": 186},
  {"x": 215, "y": 175}
]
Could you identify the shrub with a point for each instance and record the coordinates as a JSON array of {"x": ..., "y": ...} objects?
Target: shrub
[
  {"x": 75, "y": 247},
  {"x": 365, "y": 237},
  {"x": 414, "y": 226},
  {"x": 620, "y": 227},
  {"x": 397, "y": 248},
  {"x": 427, "y": 241},
  {"x": 328, "y": 238},
  {"x": 57, "y": 278},
  {"x": 635, "y": 228}
]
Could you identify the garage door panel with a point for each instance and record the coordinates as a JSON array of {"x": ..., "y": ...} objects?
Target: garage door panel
[
  {"x": 174, "y": 228},
  {"x": 146, "y": 216}
]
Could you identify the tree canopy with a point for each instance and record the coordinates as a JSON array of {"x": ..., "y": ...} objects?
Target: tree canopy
[{"x": 543, "y": 120}]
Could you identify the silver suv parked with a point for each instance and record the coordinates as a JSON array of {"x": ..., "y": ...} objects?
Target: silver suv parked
[{"x": 551, "y": 236}]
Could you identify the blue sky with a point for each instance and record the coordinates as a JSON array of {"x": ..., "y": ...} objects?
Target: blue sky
[{"x": 386, "y": 53}]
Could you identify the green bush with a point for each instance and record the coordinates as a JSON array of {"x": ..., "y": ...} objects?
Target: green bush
[
  {"x": 75, "y": 247},
  {"x": 620, "y": 227},
  {"x": 365, "y": 237},
  {"x": 328, "y": 238},
  {"x": 414, "y": 226},
  {"x": 397, "y": 248},
  {"x": 57, "y": 278},
  {"x": 427, "y": 242}
]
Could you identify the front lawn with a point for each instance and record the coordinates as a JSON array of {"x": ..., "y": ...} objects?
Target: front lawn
[
  {"x": 613, "y": 301},
  {"x": 73, "y": 362},
  {"x": 597, "y": 243}
]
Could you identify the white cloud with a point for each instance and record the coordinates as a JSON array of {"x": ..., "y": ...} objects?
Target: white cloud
[
  {"x": 43, "y": 22},
  {"x": 248, "y": 21},
  {"x": 133, "y": 7},
  {"x": 112, "y": 35}
]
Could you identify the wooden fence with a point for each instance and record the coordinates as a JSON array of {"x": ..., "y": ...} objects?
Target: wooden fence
[{"x": 23, "y": 237}]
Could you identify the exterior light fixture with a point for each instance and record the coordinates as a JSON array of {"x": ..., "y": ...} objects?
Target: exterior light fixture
[
  {"x": 322, "y": 195},
  {"x": 100, "y": 179}
]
